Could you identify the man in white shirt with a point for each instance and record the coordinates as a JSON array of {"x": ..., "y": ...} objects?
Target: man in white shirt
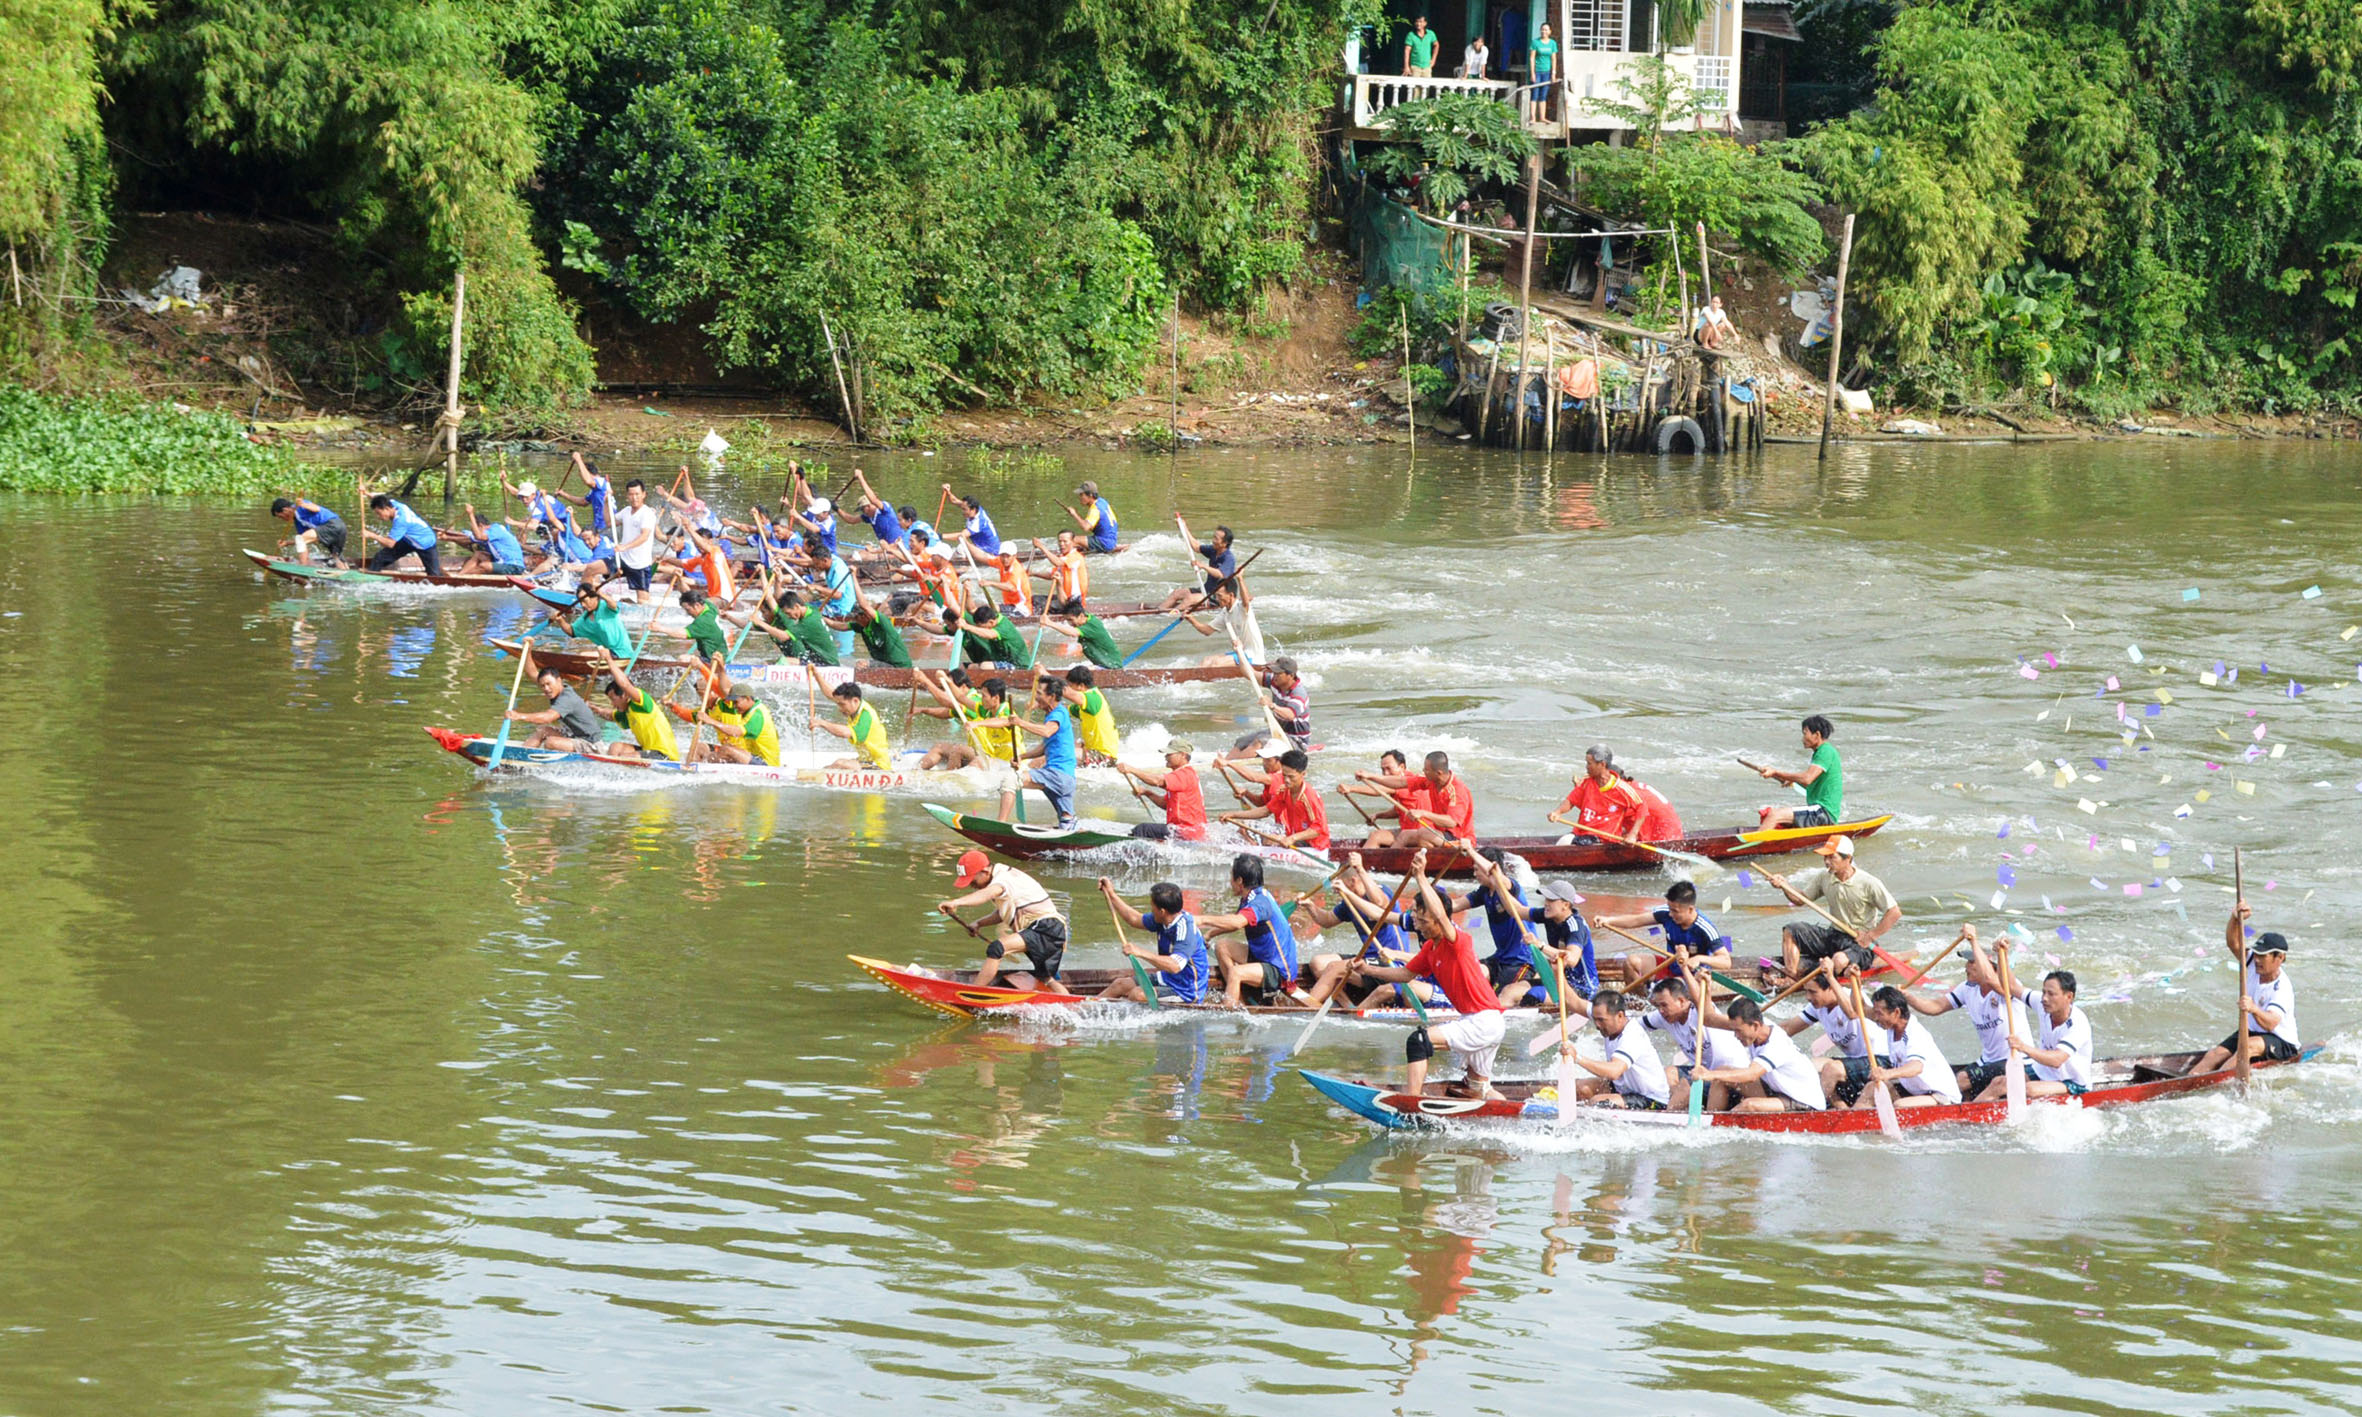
[
  {"x": 2268, "y": 1028},
  {"x": 1978, "y": 998},
  {"x": 1777, "y": 1077},
  {"x": 1631, "y": 1075},
  {"x": 1476, "y": 59},
  {"x": 1673, "y": 1012},
  {"x": 1027, "y": 922},
  {"x": 635, "y": 539},
  {"x": 1847, "y": 1071},
  {"x": 1912, "y": 1063},
  {"x": 2059, "y": 1060}
]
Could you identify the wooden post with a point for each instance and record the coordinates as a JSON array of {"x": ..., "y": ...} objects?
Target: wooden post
[
  {"x": 1467, "y": 258},
  {"x": 1173, "y": 443},
  {"x": 1549, "y": 391},
  {"x": 1681, "y": 284},
  {"x": 1705, "y": 271},
  {"x": 1410, "y": 393},
  {"x": 451, "y": 392},
  {"x": 844, "y": 395},
  {"x": 1845, "y": 252},
  {"x": 1525, "y": 287}
]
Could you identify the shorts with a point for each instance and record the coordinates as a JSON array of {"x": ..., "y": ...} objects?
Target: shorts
[
  {"x": 1244, "y": 741},
  {"x": 1815, "y": 943},
  {"x": 1070, "y": 606},
  {"x": 2076, "y": 1089},
  {"x": 1857, "y": 1077},
  {"x": 508, "y": 568},
  {"x": 1500, "y": 973},
  {"x": 1635, "y": 1102},
  {"x": 329, "y": 539},
  {"x": 1273, "y": 981},
  {"x": 1976, "y": 1077},
  {"x": 1475, "y": 1039},
  {"x": 639, "y": 577},
  {"x": 2276, "y": 1048},
  {"x": 1813, "y": 817},
  {"x": 1058, "y": 786},
  {"x": 1790, "y": 1104},
  {"x": 1045, "y": 945}
]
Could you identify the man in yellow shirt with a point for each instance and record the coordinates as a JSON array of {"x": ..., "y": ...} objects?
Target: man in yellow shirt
[
  {"x": 744, "y": 730},
  {"x": 1094, "y": 720},
  {"x": 861, "y": 728},
  {"x": 639, "y": 712}
]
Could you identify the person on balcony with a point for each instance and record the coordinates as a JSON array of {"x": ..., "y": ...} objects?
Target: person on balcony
[
  {"x": 1545, "y": 72},
  {"x": 1418, "y": 50},
  {"x": 1476, "y": 60}
]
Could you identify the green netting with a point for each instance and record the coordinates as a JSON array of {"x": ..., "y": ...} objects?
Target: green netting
[{"x": 1396, "y": 248}]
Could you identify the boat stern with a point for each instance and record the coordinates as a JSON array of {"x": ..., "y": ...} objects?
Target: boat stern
[{"x": 1361, "y": 1099}]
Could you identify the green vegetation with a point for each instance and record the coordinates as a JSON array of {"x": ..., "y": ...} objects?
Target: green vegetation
[
  {"x": 1449, "y": 143},
  {"x": 117, "y": 445}
]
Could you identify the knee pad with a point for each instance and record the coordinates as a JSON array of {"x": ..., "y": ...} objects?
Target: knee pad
[
  {"x": 1418, "y": 1048},
  {"x": 994, "y": 950}
]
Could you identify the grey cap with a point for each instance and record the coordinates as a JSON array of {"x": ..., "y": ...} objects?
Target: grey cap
[
  {"x": 1088, "y": 489},
  {"x": 1182, "y": 746},
  {"x": 1559, "y": 890}
]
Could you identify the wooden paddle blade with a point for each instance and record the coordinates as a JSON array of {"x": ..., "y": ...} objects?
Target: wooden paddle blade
[
  {"x": 1317, "y": 1015},
  {"x": 2016, "y": 1090},
  {"x": 1744, "y": 991},
  {"x": 1546, "y": 1040},
  {"x": 1570, "y": 1080},
  {"x": 1887, "y": 1122}
]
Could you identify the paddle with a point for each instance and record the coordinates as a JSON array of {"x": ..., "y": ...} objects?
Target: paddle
[
  {"x": 1407, "y": 988},
  {"x": 2014, "y": 1079},
  {"x": 1140, "y": 973},
  {"x": 1222, "y": 765},
  {"x": 1246, "y": 671},
  {"x": 1847, "y": 930},
  {"x": 515, "y": 683},
  {"x": 1281, "y": 843},
  {"x": 1883, "y": 1098},
  {"x": 1697, "y": 1084},
  {"x": 1744, "y": 991},
  {"x": 1569, "y": 1077},
  {"x": 1688, "y": 859},
  {"x": 2239, "y": 1064}
]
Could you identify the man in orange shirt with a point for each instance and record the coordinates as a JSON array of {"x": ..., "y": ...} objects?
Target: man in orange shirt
[
  {"x": 1176, "y": 790},
  {"x": 1603, "y": 802},
  {"x": 1016, "y": 584},
  {"x": 1069, "y": 578},
  {"x": 1303, "y": 820}
]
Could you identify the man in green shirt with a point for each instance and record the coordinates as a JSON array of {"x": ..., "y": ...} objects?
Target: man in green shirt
[
  {"x": 594, "y": 618},
  {"x": 798, "y": 628},
  {"x": 1418, "y": 50},
  {"x": 1090, "y": 632},
  {"x": 990, "y": 635},
  {"x": 877, "y": 633},
  {"x": 704, "y": 629},
  {"x": 1823, "y": 781}
]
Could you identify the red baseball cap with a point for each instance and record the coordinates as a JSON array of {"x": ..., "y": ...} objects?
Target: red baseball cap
[{"x": 974, "y": 866}]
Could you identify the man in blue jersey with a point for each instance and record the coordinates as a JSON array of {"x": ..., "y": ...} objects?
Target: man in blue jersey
[
  {"x": 1179, "y": 955},
  {"x": 819, "y": 516},
  {"x": 598, "y": 497},
  {"x": 496, "y": 549},
  {"x": 979, "y": 534},
  {"x": 1511, "y": 969},
  {"x": 1385, "y": 940},
  {"x": 1688, "y": 935},
  {"x": 315, "y": 526},
  {"x": 883, "y": 519},
  {"x": 1268, "y": 962},
  {"x": 1097, "y": 519},
  {"x": 1054, "y": 775},
  {"x": 406, "y": 534}
]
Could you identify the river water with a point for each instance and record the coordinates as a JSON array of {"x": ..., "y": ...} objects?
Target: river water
[{"x": 340, "y": 1080}]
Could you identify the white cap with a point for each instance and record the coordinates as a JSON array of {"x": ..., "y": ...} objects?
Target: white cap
[
  {"x": 1271, "y": 748},
  {"x": 1836, "y": 846},
  {"x": 528, "y": 489},
  {"x": 821, "y": 506}
]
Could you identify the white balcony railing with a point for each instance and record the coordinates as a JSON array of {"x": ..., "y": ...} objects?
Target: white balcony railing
[
  {"x": 1588, "y": 75},
  {"x": 1373, "y": 94}
]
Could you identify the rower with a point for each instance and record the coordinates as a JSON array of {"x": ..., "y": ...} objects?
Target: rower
[
  {"x": 1776, "y": 1076},
  {"x": 1176, "y": 790},
  {"x": 798, "y": 629},
  {"x": 1847, "y": 1071},
  {"x": 598, "y": 495},
  {"x": 1566, "y": 937},
  {"x": 878, "y": 633},
  {"x": 1089, "y": 632},
  {"x": 1094, "y": 720},
  {"x": 1978, "y": 997},
  {"x": 1631, "y": 1075},
  {"x": 1822, "y": 778},
  {"x": 744, "y": 730},
  {"x": 315, "y": 526},
  {"x": 568, "y": 725},
  {"x": 973, "y": 707},
  {"x": 1291, "y": 706},
  {"x": 1511, "y": 969},
  {"x": 1602, "y": 801},
  {"x": 988, "y": 635},
  {"x": 1069, "y": 576},
  {"x": 406, "y": 534},
  {"x": 1385, "y": 940},
  {"x": 1179, "y": 957},
  {"x": 1393, "y": 784},
  {"x": 1027, "y": 921},
  {"x": 1268, "y": 964},
  {"x": 1055, "y": 775},
  {"x": 819, "y": 516},
  {"x": 497, "y": 552},
  {"x": 549, "y": 514},
  {"x": 1449, "y": 954},
  {"x": 1658, "y": 820},
  {"x": 1220, "y": 558},
  {"x": 594, "y": 618},
  {"x": 1688, "y": 934},
  {"x": 1450, "y": 811},
  {"x": 1673, "y": 1011},
  {"x": 1228, "y": 602},
  {"x": 636, "y": 543},
  {"x": 2267, "y": 1003},
  {"x": 861, "y": 728},
  {"x": 2059, "y": 1060},
  {"x": 884, "y": 521},
  {"x": 1859, "y": 901},
  {"x": 979, "y": 534},
  {"x": 1913, "y": 1065},
  {"x": 1016, "y": 584},
  {"x": 1097, "y": 519},
  {"x": 637, "y": 710},
  {"x": 704, "y": 630},
  {"x": 1303, "y": 821}
]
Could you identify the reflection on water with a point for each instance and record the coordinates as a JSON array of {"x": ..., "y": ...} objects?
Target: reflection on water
[{"x": 342, "y": 1078}]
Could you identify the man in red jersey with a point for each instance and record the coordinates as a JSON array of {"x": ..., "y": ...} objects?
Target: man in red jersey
[{"x": 1448, "y": 955}]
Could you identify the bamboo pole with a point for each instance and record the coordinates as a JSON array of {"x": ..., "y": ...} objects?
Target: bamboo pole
[
  {"x": 1845, "y": 252},
  {"x": 451, "y": 392},
  {"x": 1467, "y": 258},
  {"x": 1525, "y": 287},
  {"x": 1410, "y": 397},
  {"x": 1173, "y": 443},
  {"x": 1549, "y": 390},
  {"x": 844, "y": 395}
]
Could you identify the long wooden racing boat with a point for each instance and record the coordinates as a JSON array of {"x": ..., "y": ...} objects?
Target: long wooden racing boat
[
  {"x": 1024, "y": 843},
  {"x": 954, "y": 991},
  {"x": 477, "y": 749},
  {"x": 580, "y": 664},
  {"x": 563, "y": 599},
  {"x": 2120, "y": 1082},
  {"x": 348, "y": 576}
]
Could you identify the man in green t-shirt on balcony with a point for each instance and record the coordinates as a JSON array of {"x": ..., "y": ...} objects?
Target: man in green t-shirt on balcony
[
  {"x": 1418, "y": 50},
  {"x": 1823, "y": 781}
]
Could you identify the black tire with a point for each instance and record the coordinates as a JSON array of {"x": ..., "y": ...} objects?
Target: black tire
[{"x": 1680, "y": 435}]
